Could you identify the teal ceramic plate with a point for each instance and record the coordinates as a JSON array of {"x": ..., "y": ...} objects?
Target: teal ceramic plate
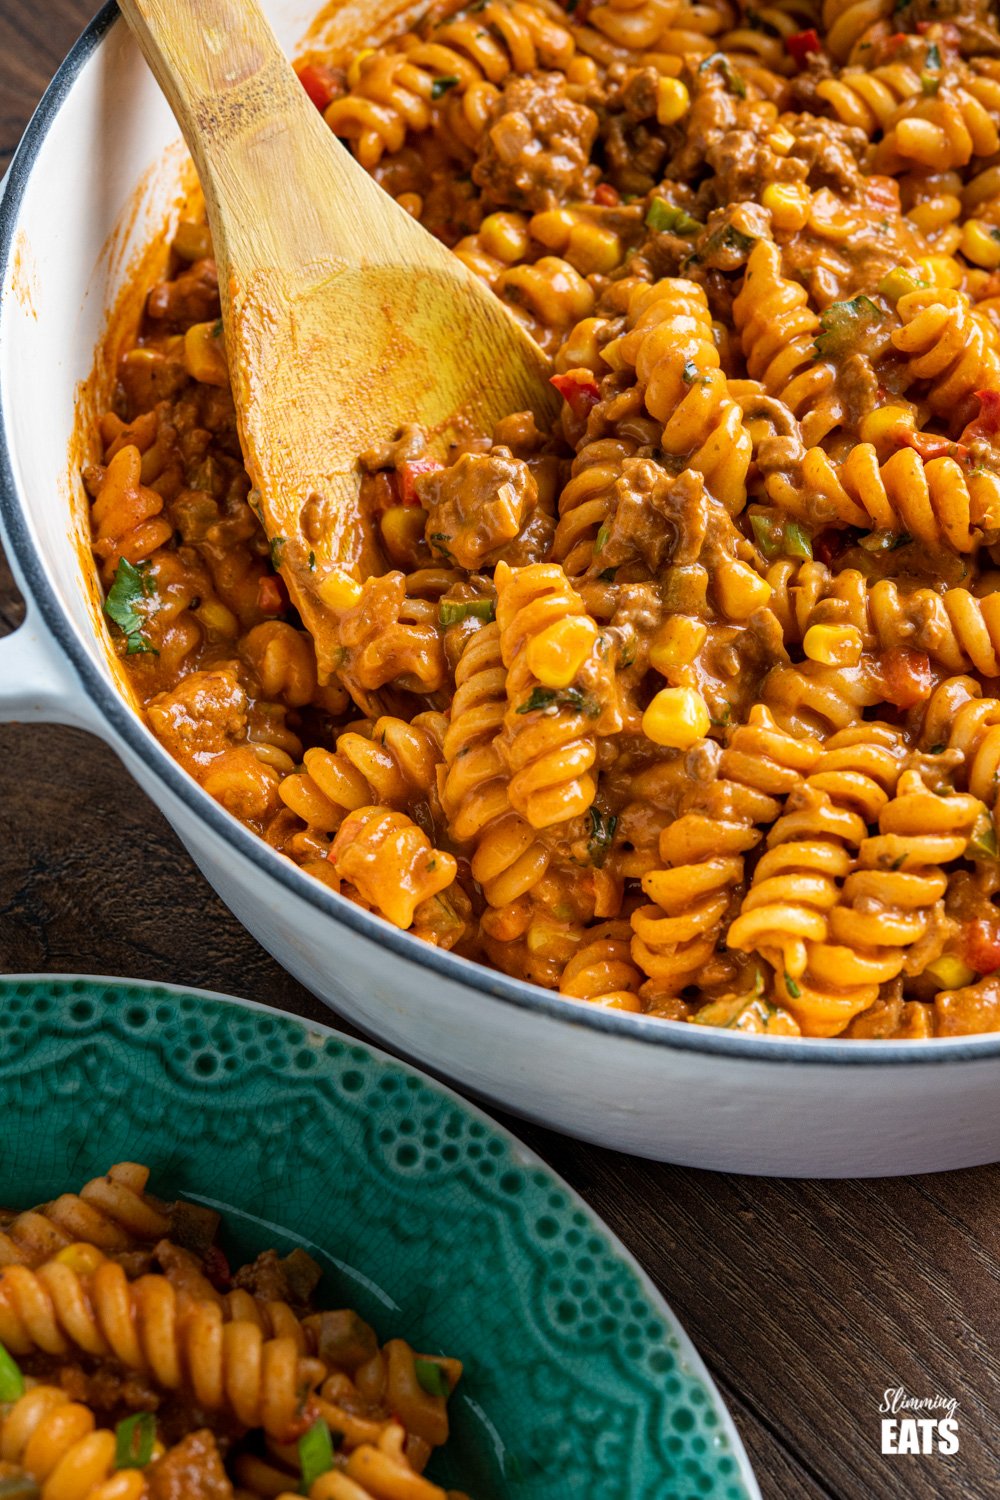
[{"x": 429, "y": 1218}]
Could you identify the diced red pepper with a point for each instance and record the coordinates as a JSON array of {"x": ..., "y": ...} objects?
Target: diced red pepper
[
  {"x": 894, "y": 42},
  {"x": 829, "y": 544},
  {"x": 906, "y": 676},
  {"x": 987, "y": 424},
  {"x": 407, "y": 475},
  {"x": 216, "y": 1268},
  {"x": 882, "y": 194},
  {"x": 272, "y": 596},
  {"x": 607, "y": 195},
  {"x": 980, "y": 944},
  {"x": 321, "y": 83},
  {"x": 930, "y": 445},
  {"x": 579, "y": 390},
  {"x": 802, "y": 45}
]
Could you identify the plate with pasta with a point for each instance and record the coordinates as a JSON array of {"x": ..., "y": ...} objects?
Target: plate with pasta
[{"x": 244, "y": 1258}]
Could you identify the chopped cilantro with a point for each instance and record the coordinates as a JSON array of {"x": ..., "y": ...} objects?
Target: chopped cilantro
[
  {"x": 884, "y": 541},
  {"x": 541, "y": 698},
  {"x": 689, "y": 374},
  {"x": 733, "y": 81},
  {"x": 601, "y": 538},
  {"x": 933, "y": 55},
  {"x": 602, "y": 832},
  {"x": 131, "y": 586},
  {"x": 312, "y": 560},
  {"x": 441, "y": 85},
  {"x": 983, "y": 839},
  {"x": 842, "y": 323},
  {"x": 277, "y": 548},
  {"x": 791, "y": 986}
]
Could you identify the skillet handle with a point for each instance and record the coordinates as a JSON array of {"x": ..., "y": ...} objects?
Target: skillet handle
[{"x": 38, "y": 684}]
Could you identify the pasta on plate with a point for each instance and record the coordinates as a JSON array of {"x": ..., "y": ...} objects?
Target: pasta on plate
[
  {"x": 691, "y": 705},
  {"x": 135, "y": 1366}
]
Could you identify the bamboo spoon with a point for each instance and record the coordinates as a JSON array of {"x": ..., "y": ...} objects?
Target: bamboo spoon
[{"x": 343, "y": 317}]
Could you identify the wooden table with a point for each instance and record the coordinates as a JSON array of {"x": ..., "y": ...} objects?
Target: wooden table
[{"x": 807, "y": 1300}]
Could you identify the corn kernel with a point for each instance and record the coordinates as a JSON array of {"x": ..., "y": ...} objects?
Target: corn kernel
[
  {"x": 505, "y": 236},
  {"x": 833, "y": 645},
  {"x": 940, "y": 270},
  {"x": 981, "y": 244},
  {"x": 193, "y": 241},
  {"x": 677, "y": 643},
  {"x": 672, "y": 101},
  {"x": 677, "y": 717},
  {"x": 412, "y": 203},
  {"x": 950, "y": 972},
  {"x": 593, "y": 250},
  {"x": 402, "y": 528},
  {"x": 354, "y": 70},
  {"x": 934, "y": 213},
  {"x": 740, "y": 590},
  {"x": 83, "y": 1259},
  {"x": 339, "y": 590},
  {"x": 781, "y": 140},
  {"x": 831, "y": 218},
  {"x": 557, "y": 654},
  {"x": 789, "y": 204},
  {"x": 581, "y": 349},
  {"x": 205, "y": 354},
  {"x": 552, "y": 228},
  {"x": 218, "y": 618},
  {"x": 884, "y": 429}
]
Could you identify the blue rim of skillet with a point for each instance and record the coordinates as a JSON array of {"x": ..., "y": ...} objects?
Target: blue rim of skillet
[{"x": 679, "y": 1036}]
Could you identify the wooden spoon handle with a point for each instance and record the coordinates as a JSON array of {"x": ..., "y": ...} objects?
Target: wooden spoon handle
[{"x": 247, "y": 120}]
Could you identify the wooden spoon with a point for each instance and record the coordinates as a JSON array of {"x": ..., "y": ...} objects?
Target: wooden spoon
[{"x": 344, "y": 318}]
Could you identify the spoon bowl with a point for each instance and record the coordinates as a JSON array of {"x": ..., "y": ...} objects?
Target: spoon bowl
[{"x": 344, "y": 317}]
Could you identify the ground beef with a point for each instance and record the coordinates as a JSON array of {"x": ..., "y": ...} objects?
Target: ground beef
[
  {"x": 192, "y": 297},
  {"x": 743, "y": 164},
  {"x": 190, "y": 1471},
  {"x": 202, "y": 715},
  {"x": 536, "y": 153},
  {"x": 832, "y": 153},
  {"x": 292, "y": 1279},
  {"x": 478, "y": 505}
]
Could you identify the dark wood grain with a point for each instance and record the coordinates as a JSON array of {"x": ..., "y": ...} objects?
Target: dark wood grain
[{"x": 807, "y": 1300}]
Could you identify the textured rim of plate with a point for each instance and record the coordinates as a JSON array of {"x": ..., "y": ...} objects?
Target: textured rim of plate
[
  {"x": 143, "y": 744},
  {"x": 692, "y": 1361}
]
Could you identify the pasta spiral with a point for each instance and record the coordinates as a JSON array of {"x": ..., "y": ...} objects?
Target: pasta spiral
[
  {"x": 508, "y": 860},
  {"x": 947, "y": 345},
  {"x": 232, "y": 1369},
  {"x": 867, "y": 99},
  {"x": 702, "y": 855},
  {"x": 549, "y": 741},
  {"x": 390, "y": 862},
  {"x": 670, "y": 345},
  {"x": 778, "y": 330},
  {"x": 886, "y": 904},
  {"x": 56, "y": 1441},
  {"x": 394, "y": 762},
  {"x": 934, "y": 500},
  {"x": 786, "y": 914},
  {"x": 395, "y": 92},
  {"x": 112, "y": 1212}
]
